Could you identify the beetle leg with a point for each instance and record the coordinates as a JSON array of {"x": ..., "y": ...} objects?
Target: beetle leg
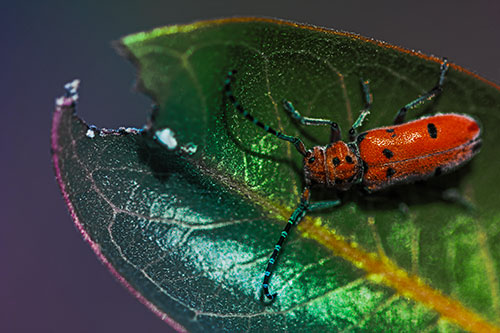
[
  {"x": 436, "y": 90},
  {"x": 365, "y": 112},
  {"x": 334, "y": 127}
]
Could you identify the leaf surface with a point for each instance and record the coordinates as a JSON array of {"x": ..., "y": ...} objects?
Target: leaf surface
[{"x": 190, "y": 235}]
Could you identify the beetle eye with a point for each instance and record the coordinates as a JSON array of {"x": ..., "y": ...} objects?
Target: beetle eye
[{"x": 311, "y": 159}]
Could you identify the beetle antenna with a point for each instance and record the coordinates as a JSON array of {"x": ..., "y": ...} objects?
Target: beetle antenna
[{"x": 229, "y": 94}]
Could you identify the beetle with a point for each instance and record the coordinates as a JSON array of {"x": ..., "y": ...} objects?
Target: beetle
[{"x": 378, "y": 158}]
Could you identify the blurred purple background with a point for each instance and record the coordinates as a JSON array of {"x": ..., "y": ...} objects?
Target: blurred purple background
[{"x": 50, "y": 280}]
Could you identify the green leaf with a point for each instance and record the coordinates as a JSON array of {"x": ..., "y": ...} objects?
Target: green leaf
[{"x": 190, "y": 235}]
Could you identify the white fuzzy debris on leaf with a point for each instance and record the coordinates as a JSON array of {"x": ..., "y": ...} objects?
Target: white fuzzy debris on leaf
[
  {"x": 60, "y": 101},
  {"x": 90, "y": 133},
  {"x": 166, "y": 137},
  {"x": 72, "y": 86}
]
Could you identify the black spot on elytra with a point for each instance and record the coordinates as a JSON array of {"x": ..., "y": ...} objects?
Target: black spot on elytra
[
  {"x": 336, "y": 161},
  {"x": 391, "y": 130},
  {"x": 390, "y": 172},
  {"x": 438, "y": 171},
  {"x": 360, "y": 137},
  {"x": 349, "y": 160},
  {"x": 388, "y": 153},
  {"x": 431, "y": 128}
]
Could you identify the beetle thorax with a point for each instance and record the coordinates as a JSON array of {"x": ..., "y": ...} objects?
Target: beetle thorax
[{"x": 335, "y": 165}]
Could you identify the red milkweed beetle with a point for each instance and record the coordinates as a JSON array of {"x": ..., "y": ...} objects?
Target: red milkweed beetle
[{"x": 377, "y": 158}]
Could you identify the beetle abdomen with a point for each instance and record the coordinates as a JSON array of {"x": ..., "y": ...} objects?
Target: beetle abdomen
[{"x": 417, "y": 149}]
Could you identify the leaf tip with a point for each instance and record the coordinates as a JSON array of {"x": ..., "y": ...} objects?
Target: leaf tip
[{"x": 71, "y": 96}]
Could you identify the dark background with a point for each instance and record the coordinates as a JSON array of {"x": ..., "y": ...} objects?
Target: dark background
[{"x": 50, "y": 280}]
